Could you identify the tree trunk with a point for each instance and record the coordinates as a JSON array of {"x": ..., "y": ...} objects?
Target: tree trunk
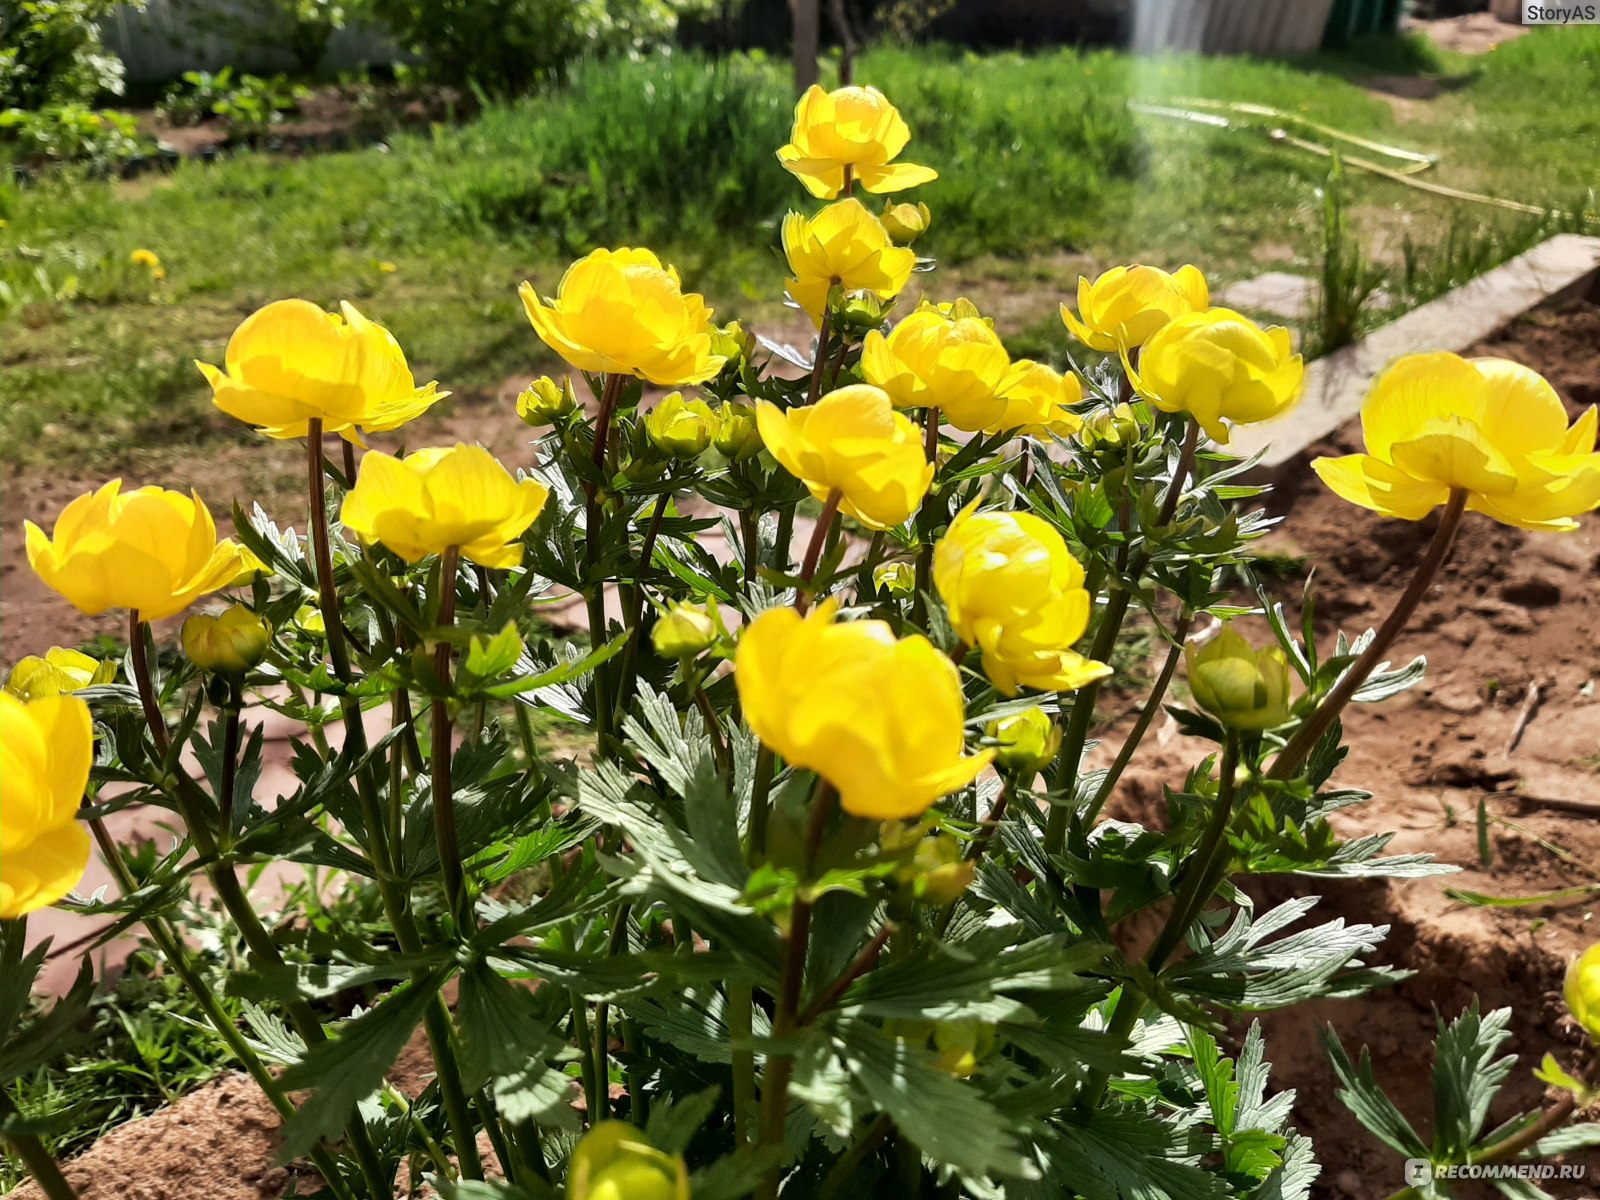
[
  {"x": 841, "y": 25},
  {"x": 807, "y": 21}
]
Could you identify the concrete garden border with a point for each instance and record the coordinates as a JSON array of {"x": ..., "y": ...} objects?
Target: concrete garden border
[{"x": 1564, "y": 266}]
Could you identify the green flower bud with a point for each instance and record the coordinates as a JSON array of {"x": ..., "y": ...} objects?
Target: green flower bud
[
  {"x": 1583, "y": 991},
  {"x": 905, "y": 223},
  {"x": 1028, "y": 741},
  {"x": 960, "y": 1044},
  {"x": 684, "y": 631},
  {"x": 1110, "y": 426},
  {"x": 681, "y": 428},
  {"x": 309, "y": 618},
  {"x": 939, "y": 873},
  {"x": 546, "y": 402},
  {"x": 613, "y": 1161},
  {"x": 896, "y": 578},
  {"x": 731, "y": 341},
  {"x": 229, "y": 644},
  {"x": 737, "y": 437},
  {"x": 862, "y": 310},
  {"x": 1241, "y": 686}
]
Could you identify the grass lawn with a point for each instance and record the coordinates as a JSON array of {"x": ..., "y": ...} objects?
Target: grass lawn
[{"x": 1044, "y": 171}]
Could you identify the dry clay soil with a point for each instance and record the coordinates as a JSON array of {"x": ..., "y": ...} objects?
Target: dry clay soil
[{"x": 1511, "y": 611}]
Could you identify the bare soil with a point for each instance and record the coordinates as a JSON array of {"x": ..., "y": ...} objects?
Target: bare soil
[{"x": 1511, "y": 610}]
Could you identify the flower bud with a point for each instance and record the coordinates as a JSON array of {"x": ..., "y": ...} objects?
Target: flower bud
[
  {"x": 1028, "y": 741},
  {"x": 732, "y": 341},
  {"x": 684, "y": 630},
  {"x": 546, "y": 402},
  {"x": 939, "y": 873},
  {"x": 737, "y": 437},
  {"x": 1241, "y": 686},
  {"x": 960, "y": 1044},
  {"x": 1111, "y": 426},
  {"x": 59, "y": 673},
  {"x": 1583, "y": 991},
  {"x": 309, "y": 618},
  {"x": 681, "y": 428},
  {"x": 896, "y": 578},
  {"x": 906, "y": 222},
  {"x": 230, "y": 643},
  {"x": 613, "y": 1161},
  {"x": 863, "y": 310}
]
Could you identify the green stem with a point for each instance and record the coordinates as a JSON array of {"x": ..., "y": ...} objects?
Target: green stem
[
  {"x": 602, "y": 1011},
  {"x": 328, "y": 594},
  {"x": 761, "y": 801},
  {"x": 1077, "y": 729},
  {"x": 40, "y": 1162},
  {"x": 783, "y": 538},
  {"x": 596, "y": 1102},
  {"x": 930, "y": 449},
  {"x": 820, "y": 363},
  {"x": 1299, "y": 748},
  {"x": 594, "y": 530},
  {"x": 980, "y": 847},
  {"x": 741, "y": 1000},
  {"x": 172, "y": 948},
  {"x": 1147, "y": 714},
  {"x": 451, "y": 871},
  {"x": 852, "y": 1158},
  {"x": 634, "y": 613},
  {"x": 780, "y": 1064}
]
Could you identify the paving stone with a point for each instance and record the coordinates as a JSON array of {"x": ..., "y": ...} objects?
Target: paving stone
[{"x": 1275, "y": 292}]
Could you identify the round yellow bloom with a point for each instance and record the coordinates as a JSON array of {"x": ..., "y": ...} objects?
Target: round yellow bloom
[
  {"x": 1219, "y": 366},
  {"x": 46, "y": 748},
  {"x": 290, "y": 363},
  {"x": 145, "y": 258},
  {"x": 684, "y": 630},
  {"x": 1028, "y": 741},
  {"x": 1126, "y": 306},
  {"x": 1038, "y": 401},
  {"x": 852, "y": 440},
  {"x": 855, "y": 128},
  {"x": 1241, "y": 686},
  {"x": 615, "y": 1161},
  {"x": 846, "y": 245},
  {"x": 621, "y": 312},
  {"x": 1434, "y": 422},
  {"x": 544, "y": 401},
  {"x": 1583, "y": 991},
  {"x": 434, "y": 499},
  {"x": 1014, "y": 592},
  {"x": 879, "y": 718},
  {"x": 59, "y": 673},
  {"x": 946, "y": 359},
  {"x": 229, "y": 643},
  {"x": 679, "y": 427},
  {"x": 149, "y": 549}
]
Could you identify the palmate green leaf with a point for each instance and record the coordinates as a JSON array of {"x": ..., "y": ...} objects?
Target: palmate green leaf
[
  {"x": 1467, "y": 1075},
  {"x": 1246, "y": 968},
  {"x": 536, "y": 678},
  {"x": 1293, "y": 1178},
  {"x": 673, "y": 1123},
  {"x": 948, "y": 1119},
  {"x": 735, "y": 1176},
  {"x": 1122, "y": 1154},
  {"x": 1361, "y": 1094},
  {"x": 347, "y": 1069},
  {"x": 1564, "y": 1141},
  {"x": 26, "y": 1047},
  {"x": 972, "y": 981},
  {"x": 503, "y": 1039}
]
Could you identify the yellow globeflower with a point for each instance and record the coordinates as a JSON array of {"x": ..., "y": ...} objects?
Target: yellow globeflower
[
  {"x": 1218, "y": 367},
  {"x": 1126, "y": 306},
  {"x": 434, "y": 499},
  {"x": 622, "y": 312},
  {"x": 946, "y": 358},
  {"x": 46, "y": 748},
  {"x": 1583, "y": 991},
  {"x": 149, "y": 549},
  {"x": 846, "y": 245},
  {"x": 879, "y": 718},
  {"x": 1241, "y": 686},
  {"x": 1434, "y": 422},
  {"x": 1013, "y": 591},
  {"x": 616, "y": 1161},
  {"x": 854, "y": 128},
  {"x": 58, "y": 673},
  {"x": 291, "y": 362},
  {"x": 681, "y": 428},
  {"x": 1038, "y": 401},
  {"x": 852, "y": 440}
]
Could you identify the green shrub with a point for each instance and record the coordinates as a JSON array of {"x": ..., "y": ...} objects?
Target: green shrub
[{"x": 51, "y": 53}]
